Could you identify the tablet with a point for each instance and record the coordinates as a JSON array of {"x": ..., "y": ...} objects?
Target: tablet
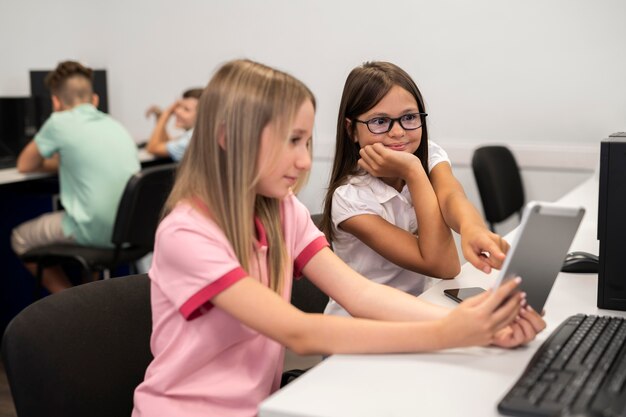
[{"x": 539, "y": 248}]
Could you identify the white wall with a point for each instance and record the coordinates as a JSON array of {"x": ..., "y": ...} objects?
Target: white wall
[{"x": 545, "y": 77}]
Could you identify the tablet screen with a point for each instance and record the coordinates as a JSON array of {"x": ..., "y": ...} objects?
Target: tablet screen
[{"x": 539, "y": 248}]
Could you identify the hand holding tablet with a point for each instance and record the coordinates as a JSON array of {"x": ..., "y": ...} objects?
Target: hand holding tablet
[{"x": 537, "y": 252}]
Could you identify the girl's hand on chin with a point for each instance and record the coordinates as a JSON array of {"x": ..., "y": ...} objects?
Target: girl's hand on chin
[{"x": 379, "y": 161}]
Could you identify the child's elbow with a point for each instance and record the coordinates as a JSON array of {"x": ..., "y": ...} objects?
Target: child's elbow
[
  {"x": 449, "y": 265},
  {"x": 152, "y": 148},
  {"x": 306, "y": 338},
  {"x": 24, "y": 167},
  {"x": 446, "y": 269},
  {"x": 301, "y": 345},
  {"x": 301, "y": 349},
  {"x": 451, "y": 270}
]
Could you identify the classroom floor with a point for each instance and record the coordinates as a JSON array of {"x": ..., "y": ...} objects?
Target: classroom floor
[{"x": 6, "y": 402}]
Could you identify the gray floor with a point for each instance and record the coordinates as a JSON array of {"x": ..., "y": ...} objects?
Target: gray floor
[{"x": 293, "y": 361}]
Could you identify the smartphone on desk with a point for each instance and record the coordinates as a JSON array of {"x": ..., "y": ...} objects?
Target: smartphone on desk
[{"x": 461, "y": 294}]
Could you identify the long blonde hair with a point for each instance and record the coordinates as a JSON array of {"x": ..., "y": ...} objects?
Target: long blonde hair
[{"x": 220, "y": 166}]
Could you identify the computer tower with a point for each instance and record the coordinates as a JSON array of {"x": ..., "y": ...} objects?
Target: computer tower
[{"x": 612, "y": 223}]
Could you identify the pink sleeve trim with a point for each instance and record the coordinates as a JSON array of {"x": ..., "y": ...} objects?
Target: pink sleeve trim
[
  {"x": 200, "y": 302},
  {"x": 307, "y": 253}
]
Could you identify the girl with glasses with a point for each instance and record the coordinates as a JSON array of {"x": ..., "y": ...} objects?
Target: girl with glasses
[
  {"x": 392, "y": 197},
  {"x": 233, "y": 238}
]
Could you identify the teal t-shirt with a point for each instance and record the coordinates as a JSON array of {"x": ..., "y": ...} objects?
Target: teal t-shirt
[{"x": 97, "y": 157}]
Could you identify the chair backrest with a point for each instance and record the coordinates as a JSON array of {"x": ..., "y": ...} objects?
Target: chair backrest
[
  {"x": 80, "y": 352},
  {"x": 140, "y": 207},
  {"x": 304, "y": 294},
  {"x": 317, "y": 219},
  {"x": 499, "y": 182},
  {"x": 307, "y": 297}
]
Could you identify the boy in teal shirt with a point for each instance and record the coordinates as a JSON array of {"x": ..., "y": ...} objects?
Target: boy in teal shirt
[{"x": 95, "y": 157}]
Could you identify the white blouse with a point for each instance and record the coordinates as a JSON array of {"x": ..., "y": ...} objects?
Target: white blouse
[{"x": 365, "y": 194}]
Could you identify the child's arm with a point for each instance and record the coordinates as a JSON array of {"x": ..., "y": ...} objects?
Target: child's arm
[
  {"x": 475, "y": 322},
  {"x": 157, "y": 144},
  {"x": 154, "y": 109},
  {"x": 461, "y": 215},
  {"x": 433, "y": 252},
  {"x": 30, "y": 160},
  {"x": 364, "y": 298},
  {"x": 367, "y": 299}
]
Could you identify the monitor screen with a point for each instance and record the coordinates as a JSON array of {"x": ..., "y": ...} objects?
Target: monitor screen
[
  {"x": 41, "y": 94},
  {"x": 16, "y": 127}
]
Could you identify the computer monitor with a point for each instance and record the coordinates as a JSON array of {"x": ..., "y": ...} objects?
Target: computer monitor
[
  {"x": 41, "y": 94},
  {"x": 17, "y": 127},
  {"x": 612, "y": 223}
]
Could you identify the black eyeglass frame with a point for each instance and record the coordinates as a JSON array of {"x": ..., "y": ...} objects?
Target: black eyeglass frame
[{"x": 393, "y": 121}]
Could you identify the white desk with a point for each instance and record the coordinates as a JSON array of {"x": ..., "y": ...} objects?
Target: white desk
[
  {"x": 458, "y": 382},
  {"x": 12, "y": 176}
]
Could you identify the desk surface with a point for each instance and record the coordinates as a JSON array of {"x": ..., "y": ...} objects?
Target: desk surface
[
  {"x": 12, "y": 176},
  {"x": 456, "y": 382}
]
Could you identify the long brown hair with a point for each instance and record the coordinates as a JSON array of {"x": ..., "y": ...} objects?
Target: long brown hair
[
  {"x": 220, "y": 166},
  {"x": 365, "y": 86}
]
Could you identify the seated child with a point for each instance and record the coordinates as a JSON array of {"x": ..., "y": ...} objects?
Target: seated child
[
  {"x": 95, "y": 156},
  {"x": 184, "y": 110},
  {"x": 392, "y": 198}
]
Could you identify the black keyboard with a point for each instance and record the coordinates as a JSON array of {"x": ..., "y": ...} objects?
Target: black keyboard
[{"x": 579, "y": 370}]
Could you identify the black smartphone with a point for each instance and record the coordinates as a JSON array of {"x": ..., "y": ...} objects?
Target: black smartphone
[{"x": 460, "y": 294}]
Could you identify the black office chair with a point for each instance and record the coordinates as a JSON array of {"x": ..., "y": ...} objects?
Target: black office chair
[
  {"x": 304, "y": 294},
  {"x": 137, "y": 218},
  {"x": 317, "y": 219},
  {"x": 81, "y": 352},
  {"x": 499, "y": 183},
  {"x": 307, "y": 297}
]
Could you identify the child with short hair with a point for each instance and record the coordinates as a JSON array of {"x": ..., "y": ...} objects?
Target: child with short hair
[
  {"x": 234, "y": 236},
  {"x": 95, "y": 156},
  {"x": 392, "y": 197},
  {"x": 184, "y": 111}
]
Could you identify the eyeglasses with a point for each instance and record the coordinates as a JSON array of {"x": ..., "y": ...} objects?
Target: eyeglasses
[{"x": 378, "y": 125}]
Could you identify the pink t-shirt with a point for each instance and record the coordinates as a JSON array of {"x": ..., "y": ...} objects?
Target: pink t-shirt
[{"x": 207, "y": 363}]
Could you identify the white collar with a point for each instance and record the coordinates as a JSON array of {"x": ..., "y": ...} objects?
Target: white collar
[{"x": 382, "y": 192}]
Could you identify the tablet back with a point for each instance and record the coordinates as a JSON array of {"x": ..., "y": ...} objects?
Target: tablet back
[{"x": 539, "y": 248}]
